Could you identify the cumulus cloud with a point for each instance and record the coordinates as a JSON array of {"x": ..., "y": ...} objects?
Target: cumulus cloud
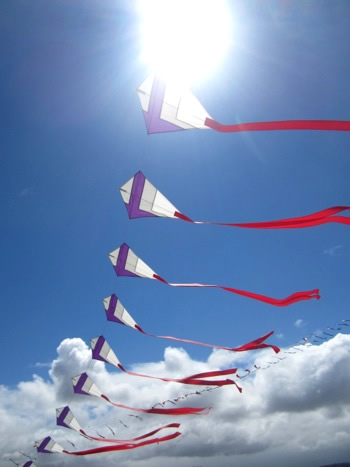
[{"x": 294, "y": 412}]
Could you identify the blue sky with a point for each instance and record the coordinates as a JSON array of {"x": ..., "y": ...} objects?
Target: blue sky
[{"x": 73, "y": 132}]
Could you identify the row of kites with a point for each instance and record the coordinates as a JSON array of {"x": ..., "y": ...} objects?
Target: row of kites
[
  {"x": 65, "y": 417},
  {"x": 166, "y": 109}
]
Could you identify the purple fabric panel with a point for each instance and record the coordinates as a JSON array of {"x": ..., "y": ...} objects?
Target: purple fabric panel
[
  {"x": 98, "y": 347},
  {"x": 43, "y": 444},
  {"x": 62, "y": 416},
  {"x": 153, "y": 121},
  {"x": 28, "y": 464},
  {"x": 121, "y": 262},
  {"x": 135, "y": 197},
  {"x": 111, "y": 310},
  {"x": 78, "y": 387}
]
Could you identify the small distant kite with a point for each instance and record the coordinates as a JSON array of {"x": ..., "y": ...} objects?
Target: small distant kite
[
  {"x": 142, "y": 199},
  {"x": 116, "y": 312},
  {"x": 102, "y": 351},
  {"x": 26, "y": 464},
  {"x": 168, "y": 107},
  {"x": 66, "y": 419},
  {"x": 126, "y": 263},
  {"x": 49, "y": 445},
  {"x": 83, "y": 385}
]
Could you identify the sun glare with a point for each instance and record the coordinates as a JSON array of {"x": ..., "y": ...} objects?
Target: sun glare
[{"x": 184, "y": 39}]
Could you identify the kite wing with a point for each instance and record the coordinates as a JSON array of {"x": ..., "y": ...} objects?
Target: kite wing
[
  {"x": 26, "y": 464},
  {"x": 84, "y": 385},
  {"x": 167, "y": 108},
  {"x": 142, "y": 199},
  {"x": 48, "y": 446},
  {"x": 116, "y": 312},
  {"x": 126, "y": 263},
  {"x": 65, "y": 418}
]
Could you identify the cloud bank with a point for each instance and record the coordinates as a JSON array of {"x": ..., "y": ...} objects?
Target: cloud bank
[{"x": 293, "y": 413}]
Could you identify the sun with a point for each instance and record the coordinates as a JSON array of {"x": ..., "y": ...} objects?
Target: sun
[{"x": 184, "y": 39}]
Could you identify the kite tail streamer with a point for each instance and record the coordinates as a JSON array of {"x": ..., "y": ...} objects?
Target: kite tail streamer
[
  {"x": 192, "y": 379},
  {"x": 123, "y": 447},
  {"x": 321, "y": 125},
  {"x": 175, "y": 411},
  {"x": 318, "y": 218},
  {"x": 132, "y": 440},
  {"x": 254, "y": 345},
  {"x": 294, "y": 298},
  {"x": 287, "y": 225}
]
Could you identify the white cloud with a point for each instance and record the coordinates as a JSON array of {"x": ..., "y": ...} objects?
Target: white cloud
[
  {"x": 294, "y": 413},
  {"x": 299, "y": 323},
  {"x": 26, "y": 192},
  {"x": 333, "y": 250},
  {"x": 43, "y": 365}
]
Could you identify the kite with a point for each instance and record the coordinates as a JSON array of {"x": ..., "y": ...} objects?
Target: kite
[
  {"x": 126, "y": 263},
  {"x": 26, "y": 464},
  {"x": 83, "y": 385},
  {"x": 48, "y": 446},
  {"x": 102, "y": 351},
  {"x": 65, "y": 418},
  {"x": 116, "y": 312},
  {"x": 168, "y": 107},
  {"x": 142, "y": 199}
]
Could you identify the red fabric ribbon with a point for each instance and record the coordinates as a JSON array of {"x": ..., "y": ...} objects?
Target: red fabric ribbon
[
  {"x": 196, "y": 380},
  {"x": 123, "y": 447},
  {"x": 325, "y": 216},
  {"x": 295, "y": 297},
  {"x": 175, "y": 411},
  {"x": 132, "y": 440},
  {"x": 321, "y": 125},
  {"x": 253, "y": 345}
]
